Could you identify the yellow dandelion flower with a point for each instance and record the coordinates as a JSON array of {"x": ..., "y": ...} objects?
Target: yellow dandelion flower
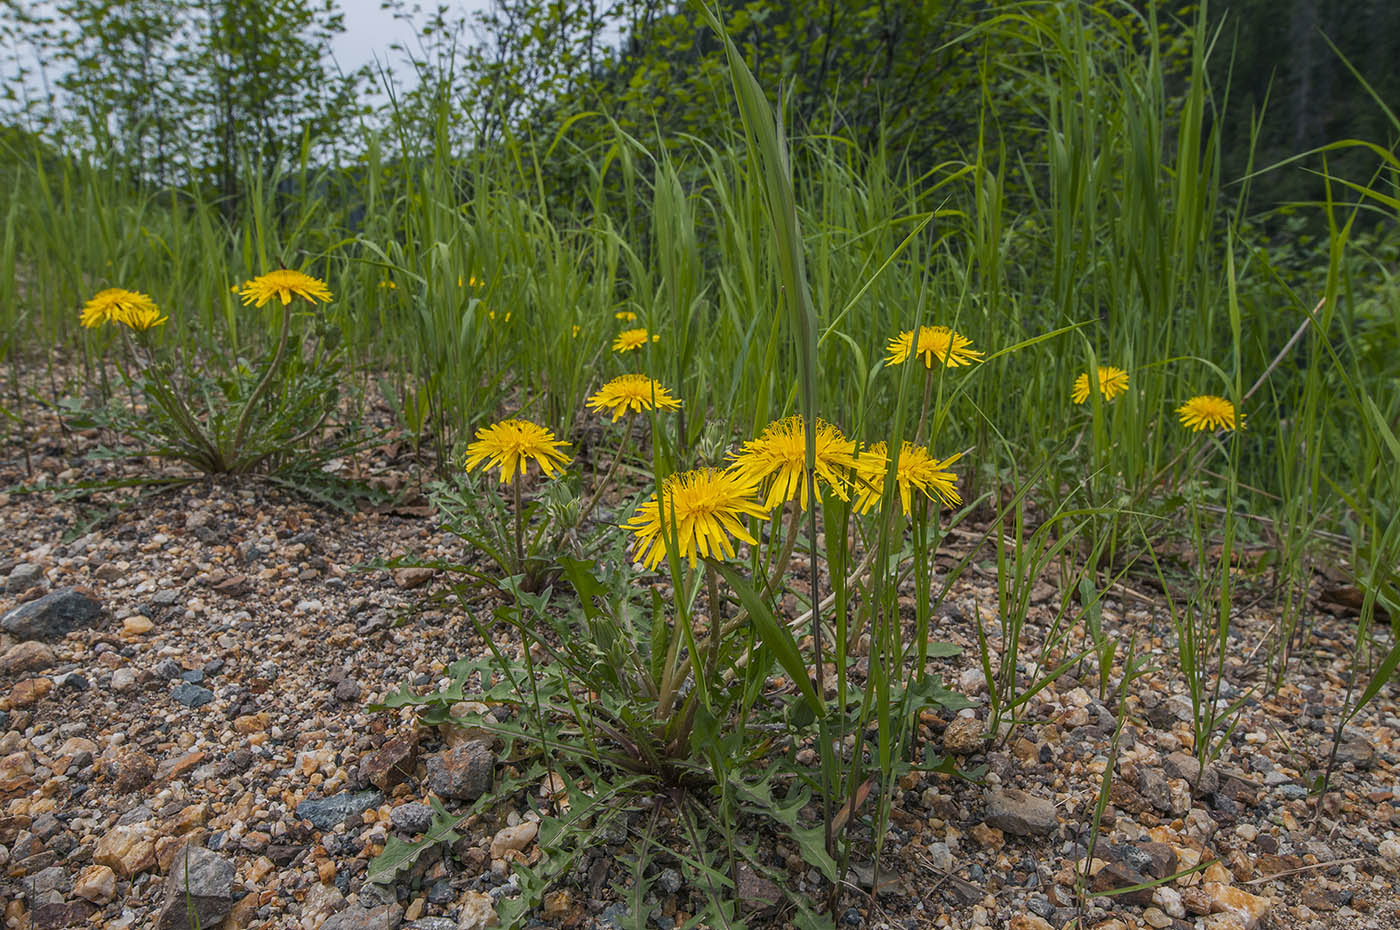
[
  {"x": 633, "y": 393},
  {"x": 626, "y": 316},
  {"x": 284, "y": 284},
  {"x": 471, "y": 282},
  {"x": 938, "y": 342},
  {"x": 577, "y": 329},
  {"x": 114, "y": 303},
  {"x": 630, "y": 339},
  {"x": 1206, "y": 411},
  {"x": 510, "y": 444},
  {"x": 916, "y": 470},
  {"x": 703, "y": 509},
  {"x": 144, "y": 318},
  {"x": 1112, "y": 382},
  {"x": 780, "y": 454},
  {"x": 388, "y": 285}
]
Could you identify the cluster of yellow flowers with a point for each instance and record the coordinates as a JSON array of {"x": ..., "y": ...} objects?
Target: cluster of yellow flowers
[
  {"x": 137, "y": 311},
  {"x": 1204, "y": 411},
  {"x": 702, "y": 509}
]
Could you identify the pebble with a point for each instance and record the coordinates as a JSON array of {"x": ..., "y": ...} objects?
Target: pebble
[
  {"x": 325, "y": 813},
  {"x": 412, "y": 818},
  {"x": 477, "y": 912},
  {"x": 52, "y": 616},
  {"x": 964, "y": 736},
  {"x": 191, "y": 695},
  {"x": 1016, "y": 812},
  {"x": 513, "y": 838},
  {"x": 96, "y": 883}
]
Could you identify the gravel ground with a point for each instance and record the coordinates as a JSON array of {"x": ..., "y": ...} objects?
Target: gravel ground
[{"x": 184, "y": 722}]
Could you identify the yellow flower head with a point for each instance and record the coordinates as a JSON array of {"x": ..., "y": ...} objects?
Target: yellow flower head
[
  {"x": 702, "y": 510},
  {"x": 626, "y": 316},
  {"x": 284, "y": 284},
  {"x": 780, "y": 454},
  {"x": 144, "y": 318},
  {"x": 938, "y": 342},
  {"x": 916, "y": 470},
  {"x": 510, "y": 444},
  {"x": 633, "y": 393},
  {"x": 471, "y": 281},
  {"x": 114, "y": 303},
  {"x": 1112, "y": 382},
  {"x": 1206, "y": 411},
  {"x": 630, "y": 339}
]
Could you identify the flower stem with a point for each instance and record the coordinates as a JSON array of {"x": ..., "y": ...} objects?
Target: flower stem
[
  {"x": 612, "y": 472},
  {"x": 266, "y": 379},
  {"x": 519, "y": 527}
]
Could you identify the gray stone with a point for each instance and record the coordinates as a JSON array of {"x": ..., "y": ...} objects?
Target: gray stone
[
  {"x": 52, "y": 616},
  {"x": 347, "y": 690},
  {"x": 384, "y": 917},
  {"x": 199, "y": 891},
  {"x": 1013, "y": 811},
  {"x": 191, "y": 695},
  {"x": 22, "y": 577},
  {"x": 431, "y": 923},
  {"x": 1184, "y": 765},
  {"x": 167, "y": 669},
  {"x": 414, "y": 817},
  {"x": 325, "y": 813},
  {"x": 464, "y": 773},
  {"x": 1153, "y": 787},
  {"x": 1357, "y": 750}
]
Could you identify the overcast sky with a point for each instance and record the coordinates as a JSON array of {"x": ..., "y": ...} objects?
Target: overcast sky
[{"x": 369, "y": 31}]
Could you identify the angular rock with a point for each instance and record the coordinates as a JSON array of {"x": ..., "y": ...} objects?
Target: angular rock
[
  {"x": 27, "y": 692},
  {"x": 1357, "y": 750},
  {"x": 1184, "y": 765},
  {"x": 199, "y": 891},
  {"x": 384, "y": 917},
  {"x": 412, "y": 818},
  {"x": 1020, "y": 814},
  {"x": 413, "y": 577},
  {"x": 513, "y": 838},
  {"x": 132, "y": 772},
  {"x": 22, "y": 577},
  {"x": 28, "y": 656},
  {"x": 58, "y": 916},
  {"x": 1117, "y": 875},
  {"x": 391, "y": 764},
  {"x": 52, "y": 616},
  {"x": 191, "y": 695},
  {"x": 325, "y": 813},
  {"x": 127, "y": 849},
  {"x": 1155, "y": 860},
  {"x": 755, "y": 892},
  {"x": 96, "y": 883},
  {"x": 1250, "y": 910},
  {"x": 477, "y": 912},
  {"x": 464, "y": 773}
]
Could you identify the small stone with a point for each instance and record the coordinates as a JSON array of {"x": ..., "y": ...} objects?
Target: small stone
[
  {"x": 168, "y": 669},
  {"x": 476, "y": 912},
  {"x": 325, "y": 813},
  {"x": 1250, "y": 910},
  {"x": 412, "y": 818},
  {"x": 28, "y": 656},
  {"x": 1169, "y": 900},
  {"x": 1156, "y": 918},
  {"x": 972, "y": 681},
  {"x": 513, "y": 838},
  {"x": 124, "y": 679},
  {"x": 988, "y": 837},
  {"x": 391, "y": 764},
  {"x": 558, "y": 904},
  {"x": 413, "y": 577},
  {"x": 137, "y": 626},
  {"x": 199, "y": 891},
  {"x": 964, "y": 736},
  {"x": 347, "y": 690},
  {"x": 27, "y": 692},
  {"x": 191, "y": 695},
  {"x": 132, "y": 771},
  {"x": 1115, "y": 875},
  {"x": 1389, "y": 850},
  {"x": 464, "y": 773},
  {"x": 1029, "y": 922},
  {"x": 1020, "y": 814},
  {"x": 1186, "y": 766},
  {"x": 171, "y": 769},
  {"x": 52, "y": 616},
  {"x": 940, "y": 857},
  {"x": 1357, "y": 750},
  {"x": 22, "y": 577},
  {"x": 383, "y": 917},
  {"x": 756, "y": 892},
  {"x": 126, "y": 849},
  {"x": 96, "y": 883}
]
